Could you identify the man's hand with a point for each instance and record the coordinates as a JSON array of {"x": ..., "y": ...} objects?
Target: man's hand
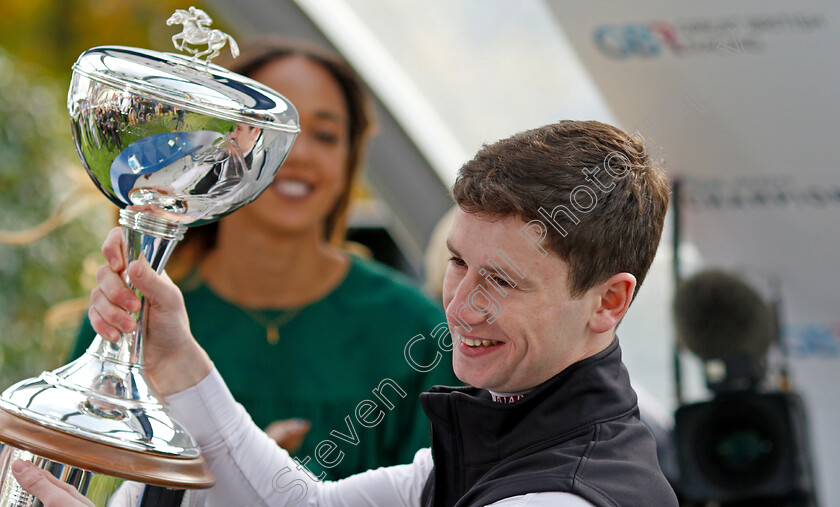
[
  {"x": 46, "y": 488},
  {"x": 289, "y": 433},
  {"x": 173, "y": 359}
]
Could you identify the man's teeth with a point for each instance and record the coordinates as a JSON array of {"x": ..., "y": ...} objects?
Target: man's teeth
[
  {"x": 478, "y": 343},
  {"x": 293, "y": 188}
]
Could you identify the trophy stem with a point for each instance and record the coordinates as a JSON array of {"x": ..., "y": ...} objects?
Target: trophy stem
[
  {"x": 151, "y": 238},
  {"x": 145, "y": 237}
]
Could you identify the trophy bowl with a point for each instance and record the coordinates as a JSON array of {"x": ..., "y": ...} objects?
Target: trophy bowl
[{"x": 173, "y": 142}]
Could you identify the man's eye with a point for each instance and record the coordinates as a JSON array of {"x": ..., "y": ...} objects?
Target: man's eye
[
  {"x": 457, "y": 261},
  {"x": 502, "y": 282}
]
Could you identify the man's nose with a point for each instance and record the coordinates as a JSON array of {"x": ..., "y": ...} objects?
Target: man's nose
[{"x": 472, "y": 304}]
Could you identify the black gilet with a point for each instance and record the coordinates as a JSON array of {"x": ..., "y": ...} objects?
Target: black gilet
[{"x": 579, "y": 432}]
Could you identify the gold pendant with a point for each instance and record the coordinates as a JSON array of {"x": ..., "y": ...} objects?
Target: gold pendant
[
  {"x": 272, "y": 326},
  {"x": 272, "y": 334}
]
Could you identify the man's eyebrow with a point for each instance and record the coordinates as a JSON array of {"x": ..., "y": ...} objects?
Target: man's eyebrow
[
  {"x": 503, "y": 271},
  {"x": 451, "y": 248}
]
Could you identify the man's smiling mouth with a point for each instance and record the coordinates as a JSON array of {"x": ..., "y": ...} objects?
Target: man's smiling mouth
[{"x": 477, "y": 342}]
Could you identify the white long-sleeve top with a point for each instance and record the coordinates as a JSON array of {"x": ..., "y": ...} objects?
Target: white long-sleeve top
[{"x": 252, "y": 470}]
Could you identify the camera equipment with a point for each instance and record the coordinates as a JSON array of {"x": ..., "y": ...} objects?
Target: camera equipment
[{"x": 745, "y": 446}]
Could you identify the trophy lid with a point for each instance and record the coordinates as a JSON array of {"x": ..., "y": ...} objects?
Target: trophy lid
[{"x": 186, "y": 83}]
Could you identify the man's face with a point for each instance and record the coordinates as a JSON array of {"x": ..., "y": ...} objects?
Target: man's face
[
  {"x": 528, "y": 335},
  {"x": 245, "y": 137}
]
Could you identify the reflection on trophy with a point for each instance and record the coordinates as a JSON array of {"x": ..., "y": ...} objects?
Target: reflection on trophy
[{"x": 173, "y": 141}]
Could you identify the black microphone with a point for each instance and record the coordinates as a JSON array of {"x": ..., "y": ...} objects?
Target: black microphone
[{"x": 717, "y": 315}]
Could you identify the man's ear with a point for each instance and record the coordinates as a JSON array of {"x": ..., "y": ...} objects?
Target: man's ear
[{"x": 614, "y": 298}]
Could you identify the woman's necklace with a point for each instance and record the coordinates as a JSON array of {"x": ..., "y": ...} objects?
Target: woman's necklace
[
  {"x": 272, "y": 321},
  {"x": 272, "y": 325}
]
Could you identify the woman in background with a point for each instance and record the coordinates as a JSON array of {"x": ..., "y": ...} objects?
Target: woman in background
[{"x": 270, "y": 288}]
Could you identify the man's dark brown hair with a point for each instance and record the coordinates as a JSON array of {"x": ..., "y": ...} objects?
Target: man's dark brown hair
[{"x": 588, "y": 188}]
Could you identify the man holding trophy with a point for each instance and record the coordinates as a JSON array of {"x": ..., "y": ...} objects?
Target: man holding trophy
[{"x": 540, "y": 276}]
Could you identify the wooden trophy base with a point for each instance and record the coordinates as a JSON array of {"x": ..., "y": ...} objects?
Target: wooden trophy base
[{"x": 159, "y": 470}]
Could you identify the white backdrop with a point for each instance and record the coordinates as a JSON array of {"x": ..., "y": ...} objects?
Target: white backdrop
[{"x": 743, "y": 102}]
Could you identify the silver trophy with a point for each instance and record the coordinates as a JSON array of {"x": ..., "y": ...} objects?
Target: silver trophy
[{"x": 173, "y": 141}]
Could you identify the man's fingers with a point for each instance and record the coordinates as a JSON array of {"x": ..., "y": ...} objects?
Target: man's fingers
[
  {"x": 114, "y": 288},
  {"x": 54, "y": 480},
  {"x": 49, "y": 490},
  {"x": 158, "y": 289},
  {"x": 112, "y": 249},
  {"x": 102, "y": 327},
  {"x": 112, "y": 314}
]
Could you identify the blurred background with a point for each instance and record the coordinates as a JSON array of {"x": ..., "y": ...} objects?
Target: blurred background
[{"x": 739, "y": 102}]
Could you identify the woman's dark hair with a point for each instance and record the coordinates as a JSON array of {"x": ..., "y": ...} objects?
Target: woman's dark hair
[{"x": 256, "y": 53}]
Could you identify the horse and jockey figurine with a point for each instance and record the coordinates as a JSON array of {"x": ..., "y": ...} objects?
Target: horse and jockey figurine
[{"x": 196, "y": 32}]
